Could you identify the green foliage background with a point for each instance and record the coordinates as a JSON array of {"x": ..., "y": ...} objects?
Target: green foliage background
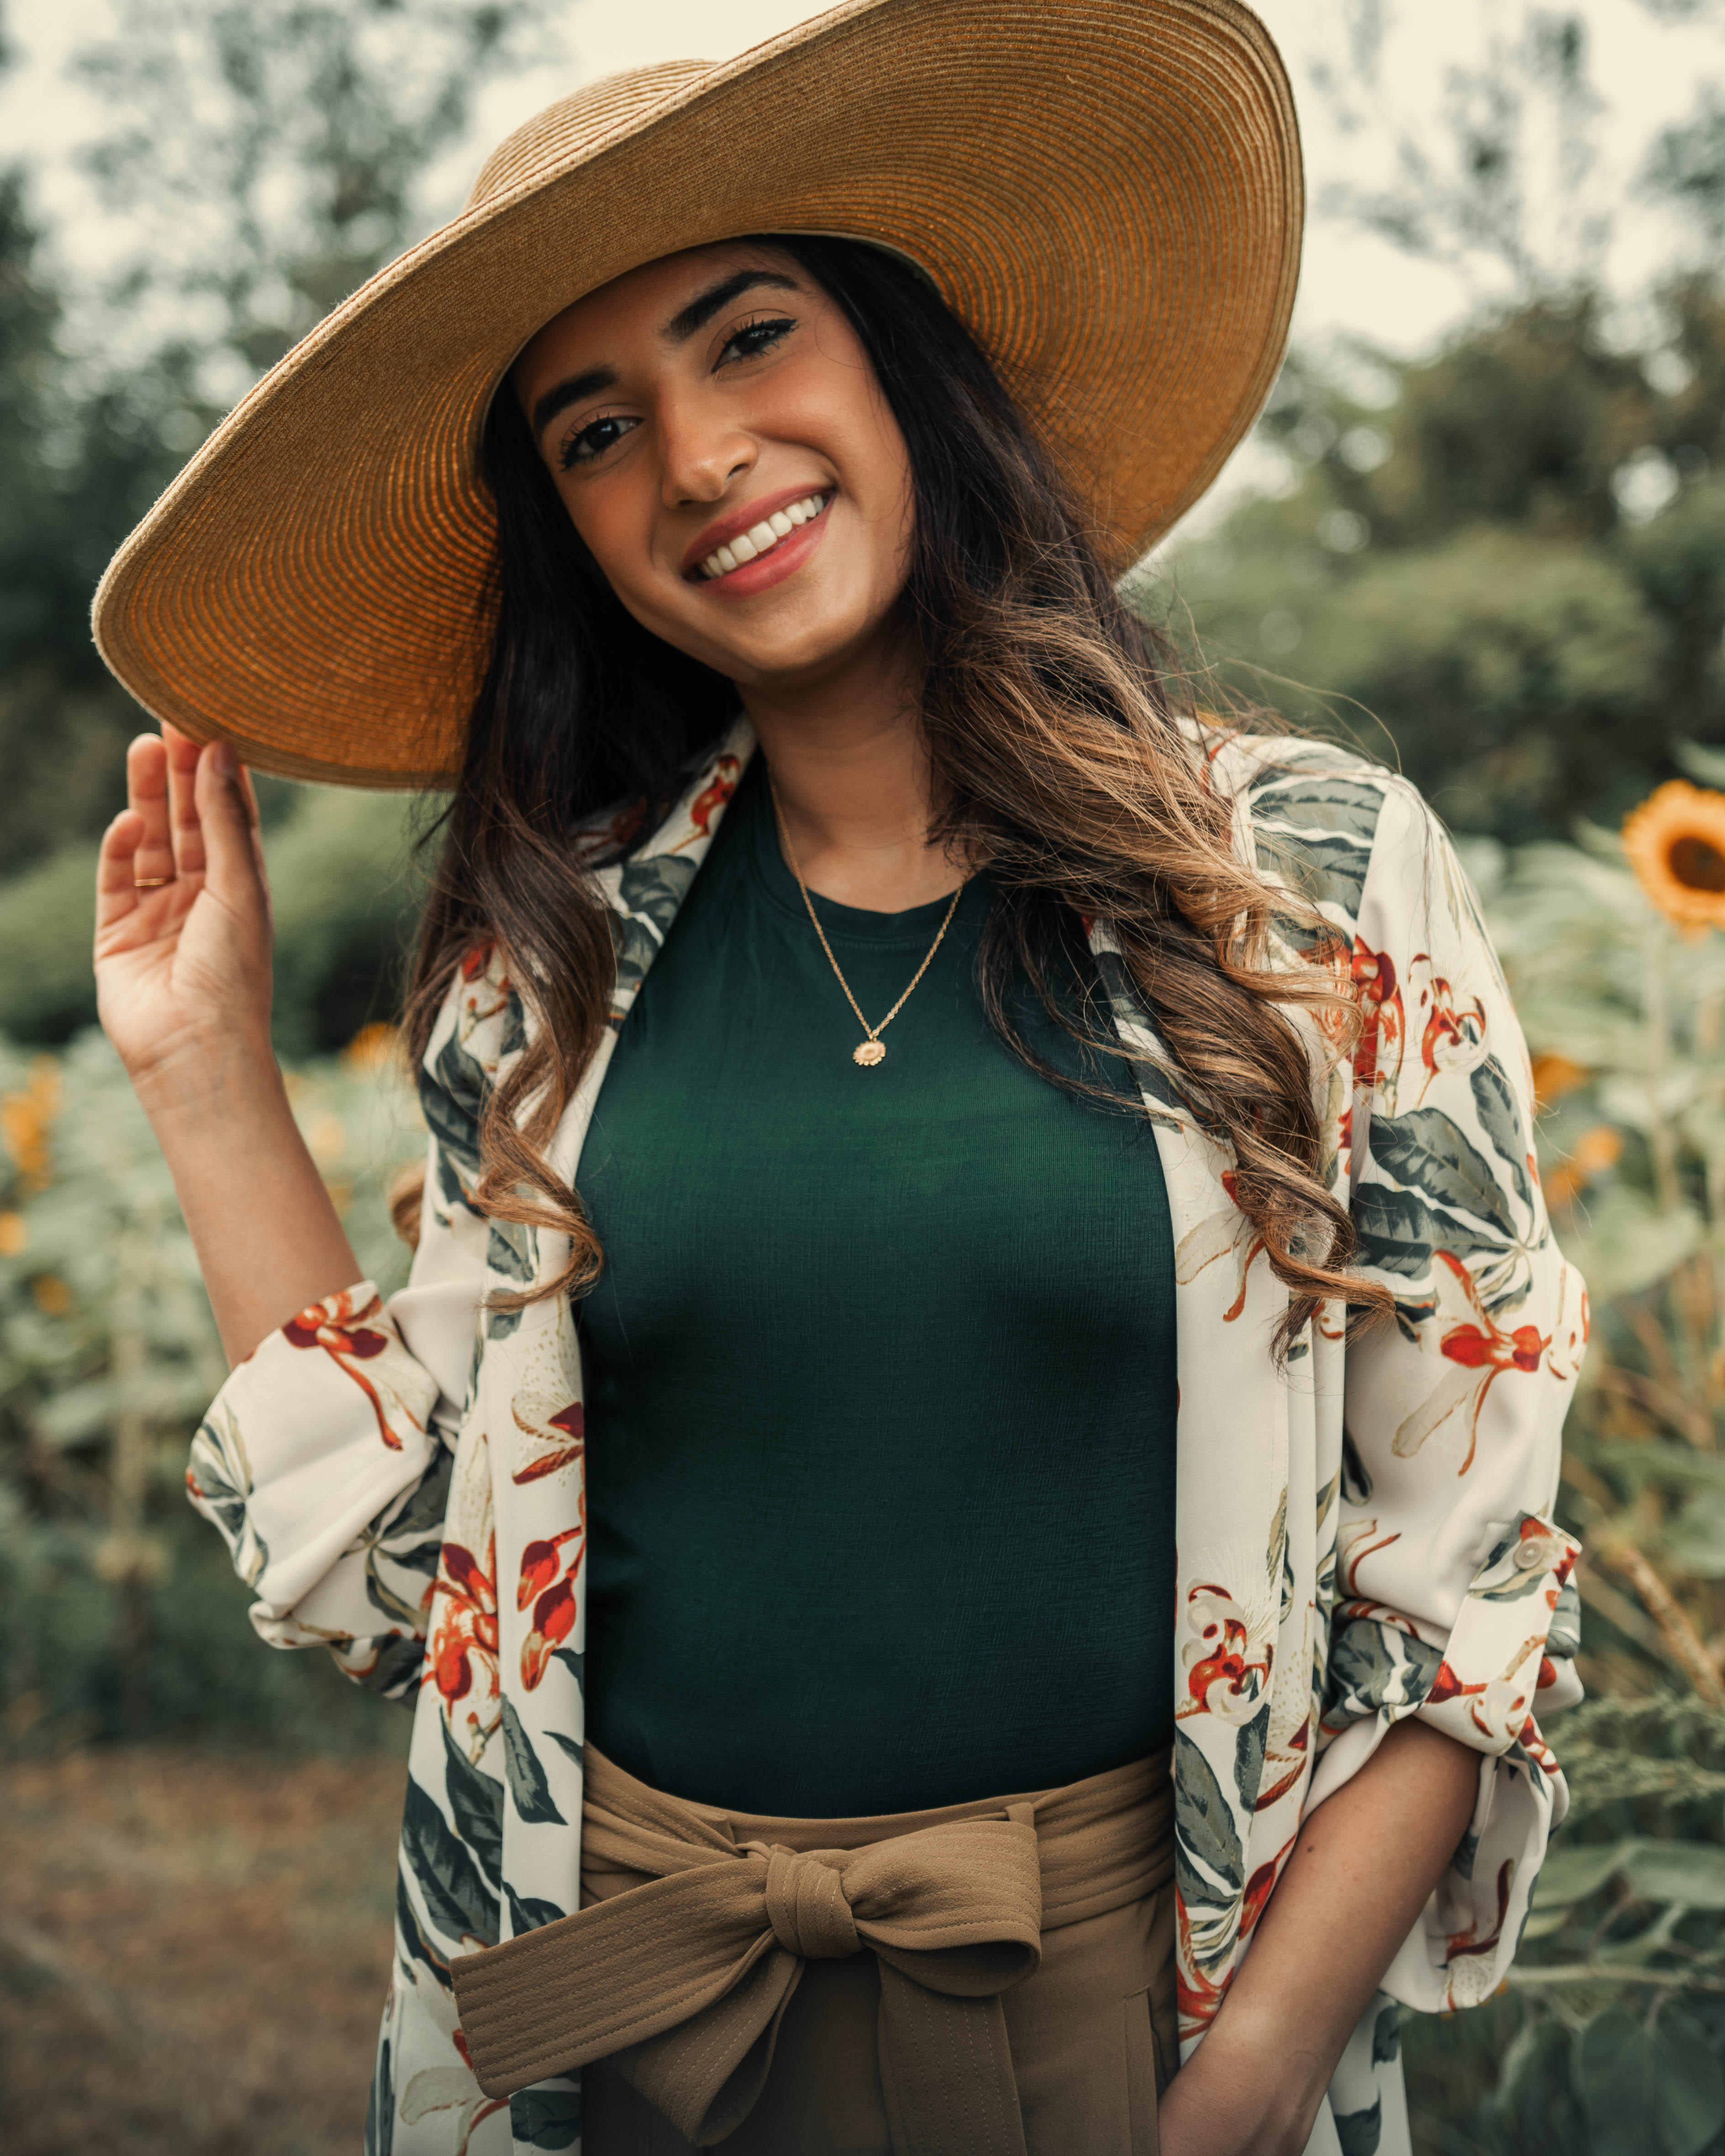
[{"x": 1500, "y": 564}]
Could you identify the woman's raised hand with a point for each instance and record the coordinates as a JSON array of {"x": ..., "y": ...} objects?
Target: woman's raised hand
[
  {"x": 182, "y": 986},
  {"x": 182, "y": 937}
]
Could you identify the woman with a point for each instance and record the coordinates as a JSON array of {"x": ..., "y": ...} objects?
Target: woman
[{"x": 1044, "y": 1109}]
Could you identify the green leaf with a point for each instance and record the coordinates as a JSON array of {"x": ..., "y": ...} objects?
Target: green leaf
[
  {"x": 1694, "y": 1542},
  {"x": 528, "y": 1790},
  {"x": 456, "y": 1898},
  {"x": 1705, "y": 766},
  {"x": 528, "y": 1911},
  {"x": 1655, "y": 2091},
  {"x": 1689, "y": 1872},
  {"x": 1426, "y": 1152},
  {"x": 1500, "y": 1116},
  {"x": 545, "y": 2119},
  {"x": 1204, "y": 1830},
  {"x": 476, "y": 1799},
  {"x": 1568, "y": 1876}
]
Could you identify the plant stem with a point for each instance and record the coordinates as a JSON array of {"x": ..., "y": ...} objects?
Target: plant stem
[
  {"x": 1594, "y": 1972},
  {"x": 1685, "y": 1643}
]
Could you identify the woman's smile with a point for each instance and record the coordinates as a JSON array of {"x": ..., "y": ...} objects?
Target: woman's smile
[{"x": 760, "y": 544}]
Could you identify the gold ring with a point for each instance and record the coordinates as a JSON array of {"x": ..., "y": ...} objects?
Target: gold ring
[{"x": 152, "y": 883}]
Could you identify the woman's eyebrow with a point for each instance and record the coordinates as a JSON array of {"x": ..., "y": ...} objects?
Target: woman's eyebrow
[
  {"x": 562, "y": 394},
  {"x": 701, "y": 309}
]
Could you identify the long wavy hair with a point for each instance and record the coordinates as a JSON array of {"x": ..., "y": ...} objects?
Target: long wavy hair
[{"x": 1052, "y": 721}]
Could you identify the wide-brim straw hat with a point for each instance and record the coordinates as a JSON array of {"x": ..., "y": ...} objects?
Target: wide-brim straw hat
[{"x": 1108, "y": 193}]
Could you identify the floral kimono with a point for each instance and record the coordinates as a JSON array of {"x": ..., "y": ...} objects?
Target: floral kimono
[{"x": 1364, "y": 1533}]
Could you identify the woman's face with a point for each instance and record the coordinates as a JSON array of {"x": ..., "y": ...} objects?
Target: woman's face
[{"x": 717, "y": 433}]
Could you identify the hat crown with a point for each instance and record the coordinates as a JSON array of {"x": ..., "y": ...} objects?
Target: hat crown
[{"x": 574, "y": 123}]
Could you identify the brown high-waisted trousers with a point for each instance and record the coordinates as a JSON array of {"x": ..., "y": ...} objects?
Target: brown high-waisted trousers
[{"x": 988, "y": 1980}]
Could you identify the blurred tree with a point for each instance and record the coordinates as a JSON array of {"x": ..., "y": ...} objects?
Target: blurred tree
[
  {"x": 267, "y": 158},
  {"x": 270, "y": 155},
  {"x": 1515, "y": 569}
]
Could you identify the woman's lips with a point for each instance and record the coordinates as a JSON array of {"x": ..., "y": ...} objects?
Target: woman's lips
[
  {"x": 772, "y": 531},
  {"x": 770, "y": 565}
]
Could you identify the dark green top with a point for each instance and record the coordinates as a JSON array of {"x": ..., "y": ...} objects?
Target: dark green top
[{"x": 881, "y": 1376}]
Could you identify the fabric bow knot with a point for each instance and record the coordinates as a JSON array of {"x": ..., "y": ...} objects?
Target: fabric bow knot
[{"x": 681, "y": 1981}]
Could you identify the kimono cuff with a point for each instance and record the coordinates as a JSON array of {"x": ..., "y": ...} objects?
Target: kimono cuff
[
  {"x": 1491, "y": 1672},
  {"x": 321, "y": 1429}
]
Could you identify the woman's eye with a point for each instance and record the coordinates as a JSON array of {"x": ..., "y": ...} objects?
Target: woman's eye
[
  {"x": 594, "y": 439},
  {"x": 754, "y": 338}
]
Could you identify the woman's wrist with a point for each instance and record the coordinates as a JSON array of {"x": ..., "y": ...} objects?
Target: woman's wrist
[
  {"x": 1246, "y": 2091},
  {"x": 228, "y": 1077}
]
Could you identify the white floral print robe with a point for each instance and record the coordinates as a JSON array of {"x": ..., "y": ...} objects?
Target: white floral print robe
[{"x": 1362, "y": 1535}]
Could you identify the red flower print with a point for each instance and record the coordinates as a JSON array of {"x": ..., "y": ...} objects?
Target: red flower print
[
  {"x": 711, "y": 798},
  {"x": 553, "y": 1620},
  {"x": 1228, "y": 1657},
  {"x": 573, "y": 1423},
  {"x": 341, "y": 1330},
  {"x": 1378, "y": 1052},
  {"x": 463, "y": 1630},
  {"x": 539, "y": 1567},
  {"x": 1482, "y": 1352},
  {"x": 552, "y": 1599}
]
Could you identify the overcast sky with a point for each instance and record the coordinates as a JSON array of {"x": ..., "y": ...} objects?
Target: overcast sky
[{"x": 1647, "y": 67}]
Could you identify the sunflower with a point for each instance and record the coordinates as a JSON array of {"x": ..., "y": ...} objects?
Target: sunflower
[{"x": 1676, "y": 844}]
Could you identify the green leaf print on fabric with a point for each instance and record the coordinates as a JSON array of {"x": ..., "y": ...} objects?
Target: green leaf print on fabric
[
  {"x": 1396, "y": 1232},
  {"x": 1425, "y": 1150},
  {"x": 1501, "y": 1120},
  {"x": 567, "y": 1745},
  {"x": 1328, "y": 871},
  {"x": 380, "y": 2108},
  {"x": 413, "y": 1940},
  {"x": 529, "y": 1791},
  {"x": 509, "y": 1251},
  {"x": 220, "y": 1485},
  {"x": 456, "y": 1898},
  {"x": 390, "y": 1667},
  {"x": 1387, "y": 2034},
  {"x": 1331, "y": 803},
  {"x": 1205, "y": 1833},
  {"x": 1366, "y": 1671},
  {"x": 1359, "y": 2132},
  {"x": 1249, "y": 1748},
  {"x": 527, "y": 1911},
  {"x": 476, "y": 1799},
  {"x": 546, "y": 2119},
  {"x": 453, "y": 1092},
  {"x": 648, "y": 894}
]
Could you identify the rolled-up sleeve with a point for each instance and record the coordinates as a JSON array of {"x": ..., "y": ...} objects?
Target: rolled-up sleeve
[
  {"x": 1453, "y": 1595},
  {"x": 324, "y": 1461}
]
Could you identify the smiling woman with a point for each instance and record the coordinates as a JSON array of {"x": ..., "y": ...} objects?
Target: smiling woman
[{"x": 865, "y": 1516}]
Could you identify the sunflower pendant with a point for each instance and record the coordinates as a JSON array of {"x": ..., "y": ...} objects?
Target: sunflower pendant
[{"x": 869, "y": 1053}]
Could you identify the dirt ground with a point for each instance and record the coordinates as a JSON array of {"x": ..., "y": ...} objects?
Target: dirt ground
[{"x": 193, "y": 1951}]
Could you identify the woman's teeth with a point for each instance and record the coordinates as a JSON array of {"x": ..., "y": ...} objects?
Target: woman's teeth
[{"x": 763, "y": 537}]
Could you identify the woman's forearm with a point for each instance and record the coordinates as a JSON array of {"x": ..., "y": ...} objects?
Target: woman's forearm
[
  {"x": 1364, "y": 1866},
  {"x": 267, "y": 1234}
]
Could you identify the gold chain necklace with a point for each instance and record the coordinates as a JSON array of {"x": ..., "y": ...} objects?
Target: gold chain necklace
[{"x": 871, "y": 1049}]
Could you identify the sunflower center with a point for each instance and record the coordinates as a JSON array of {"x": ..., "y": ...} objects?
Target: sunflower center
[{"x": 1696, "y": 864}]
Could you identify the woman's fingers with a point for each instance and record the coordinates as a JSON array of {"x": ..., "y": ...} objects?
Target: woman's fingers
[
  {"x": 146, "y": 794},
  {"x": 187, "y": 834},
  {"x": 116, "y": 895},
  {"x": 223, "y": 811}
]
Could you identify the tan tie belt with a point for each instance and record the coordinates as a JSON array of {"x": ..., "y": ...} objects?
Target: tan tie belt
[{"x": 680, "y": 1981}]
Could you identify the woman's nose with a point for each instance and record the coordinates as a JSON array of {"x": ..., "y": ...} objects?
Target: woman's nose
[{"x": 702, "y": 455}]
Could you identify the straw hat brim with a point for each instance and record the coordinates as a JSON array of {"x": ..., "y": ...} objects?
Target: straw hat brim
[{"x": 1107, "y": 192}]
